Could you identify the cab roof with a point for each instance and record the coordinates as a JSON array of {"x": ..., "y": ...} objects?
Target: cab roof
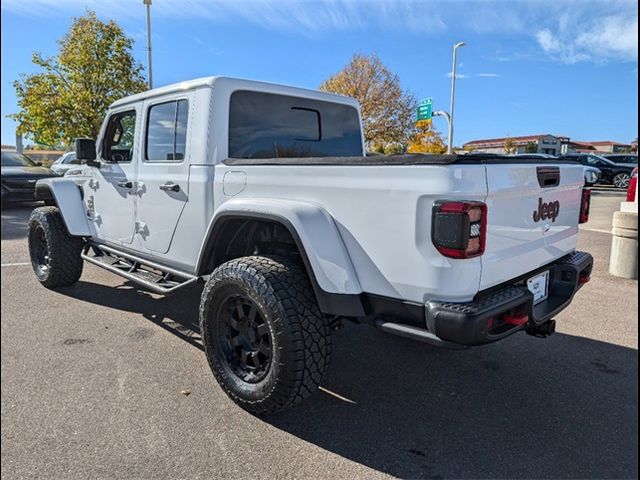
[{"x": 235, "y": 84}]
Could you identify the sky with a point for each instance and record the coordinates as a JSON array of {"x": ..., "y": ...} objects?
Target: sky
[{"x": 564, "y": 67}]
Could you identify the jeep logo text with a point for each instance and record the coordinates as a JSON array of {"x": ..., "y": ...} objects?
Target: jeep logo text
[{"x": 546, "y": 211}]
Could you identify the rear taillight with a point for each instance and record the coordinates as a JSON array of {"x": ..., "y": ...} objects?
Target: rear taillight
[
  {"x": 459, "y": 229},
  {"x": 585, "y": 204}
]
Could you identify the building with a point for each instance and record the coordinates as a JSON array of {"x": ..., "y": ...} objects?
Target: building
[
  {"x": 573, "y": 146},
  {"x": 544, "y": 143},
  {"x": 550, "y": 144},
  {"x": 606, "y": 146}
]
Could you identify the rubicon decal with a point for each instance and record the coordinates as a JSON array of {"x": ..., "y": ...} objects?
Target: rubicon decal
[{"x": 549, "y": 210}]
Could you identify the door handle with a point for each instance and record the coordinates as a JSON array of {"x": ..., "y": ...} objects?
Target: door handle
[
  {"x": 125, "y": 184},
  {"x": 170, "y": 187}
]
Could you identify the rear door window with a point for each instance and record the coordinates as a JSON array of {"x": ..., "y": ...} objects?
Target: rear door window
[
  {"x": 167, "y": 131},
  {"x": 265, "y": 125}
]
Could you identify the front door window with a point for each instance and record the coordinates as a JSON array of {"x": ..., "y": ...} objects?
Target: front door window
[{"x": 118, "y": 140}]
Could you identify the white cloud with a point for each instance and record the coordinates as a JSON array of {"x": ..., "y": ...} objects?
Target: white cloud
[
  {"x": 567, "y": 31},
  {"x": 467, "y": 75},
  {"x": 301, "y": 16},
  {"x": 458, "y": 75},
  {"x": 548, "y": 41},
  {"x": 613, "y": 36},
  {"x": 598, "y": 39}
]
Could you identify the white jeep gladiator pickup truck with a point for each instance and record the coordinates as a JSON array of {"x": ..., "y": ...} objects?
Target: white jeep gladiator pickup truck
[{"x": 264, "y": 193}]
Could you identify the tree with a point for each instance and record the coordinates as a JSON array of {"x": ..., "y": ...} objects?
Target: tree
[
  {"x": 387, "y": 110},
  {"x": 510, "y": 146},
  {"x": 426, "y": 139},
  {"x": 69, "y": 97},
  {"x": 531, "y": 147},
  {"x": 394, "y": 148}
]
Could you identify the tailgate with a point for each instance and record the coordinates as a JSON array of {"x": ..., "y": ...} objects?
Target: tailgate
[{"x": 533, "y": 214}]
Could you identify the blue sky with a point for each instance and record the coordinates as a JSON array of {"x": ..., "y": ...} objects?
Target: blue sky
[{"x": 566, "y": 67}]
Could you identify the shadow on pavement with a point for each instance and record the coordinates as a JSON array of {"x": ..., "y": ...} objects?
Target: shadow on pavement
[
  {"x": 521, "y": 408},
  {"x": 178, "y": 314},
  {"x": 15, "y": 220}
]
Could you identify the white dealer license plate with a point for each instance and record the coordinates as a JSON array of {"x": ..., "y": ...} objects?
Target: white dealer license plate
[{"x": 538, "y": 286}]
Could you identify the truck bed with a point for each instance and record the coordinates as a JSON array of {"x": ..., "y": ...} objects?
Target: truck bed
[
  {"x": 385, "y": 217},
  {"x": 405, "y": 159}
]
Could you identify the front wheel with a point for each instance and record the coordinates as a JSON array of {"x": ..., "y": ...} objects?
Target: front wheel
[
  {"x": 55, "y": 254},
  {"x": 266, "y": 341},
  {"x": 621, "y": 180}
]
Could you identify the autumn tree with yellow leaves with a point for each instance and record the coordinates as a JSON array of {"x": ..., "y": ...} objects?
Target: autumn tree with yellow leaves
[
  {"x": 387, "y": 109},
  {"x": 69, "y": 94},
  {"x": 426, "y": 139},
  {"x": 510, "y": 146}
]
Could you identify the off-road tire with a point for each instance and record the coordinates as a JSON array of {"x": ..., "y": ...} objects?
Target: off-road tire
[
  {"x": 62, "y": 264},
  {"x": 299, "y": 334}
]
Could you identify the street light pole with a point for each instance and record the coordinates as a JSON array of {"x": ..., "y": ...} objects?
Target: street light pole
[
  {"x": 447, "y": 117},
  {"x": 453, "y": 95},
  {"x": 148, "y": 4}
]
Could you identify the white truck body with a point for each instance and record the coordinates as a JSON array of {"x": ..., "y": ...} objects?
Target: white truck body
[{"x": 365, "y": 225}]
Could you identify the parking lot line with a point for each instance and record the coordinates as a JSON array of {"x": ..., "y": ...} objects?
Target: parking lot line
[{"x": 17, "y": 264}]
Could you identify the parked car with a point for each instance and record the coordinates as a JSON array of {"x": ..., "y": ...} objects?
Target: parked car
[
  {"x": 19, "y": 176},
  {"x": 591, "y": 174},
  {"x": 623, "y": 158},
  {"x": 63, "y": 164},
  {"x": 262, "y": 193},
  {"x": 614, "y": 174}
]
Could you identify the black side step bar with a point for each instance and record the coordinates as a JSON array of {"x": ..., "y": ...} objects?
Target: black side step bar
[{"x": 152, "y": 276}]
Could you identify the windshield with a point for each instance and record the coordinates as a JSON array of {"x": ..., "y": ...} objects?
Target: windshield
[
  {"x": 71, "y": 159},
  {"x": 15, "y": 159},
  {"x": 595, "y": 159}
]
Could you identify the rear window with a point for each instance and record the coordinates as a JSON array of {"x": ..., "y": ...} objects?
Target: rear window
[
  {"x": 265, "y": 125},
  {"x": 623, "y": 158}
]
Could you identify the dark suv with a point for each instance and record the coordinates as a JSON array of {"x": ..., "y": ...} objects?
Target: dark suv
[{"x": 613, "y": 173}]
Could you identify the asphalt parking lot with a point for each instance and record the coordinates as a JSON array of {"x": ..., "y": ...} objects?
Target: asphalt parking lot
[{"x": 94, "y": 378}]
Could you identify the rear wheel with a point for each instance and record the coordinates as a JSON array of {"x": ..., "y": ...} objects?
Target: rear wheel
[
  {"x": 265, "y": 339},
  {"x": 621, "y": 180},
  {"x": 55, "y": 254}
]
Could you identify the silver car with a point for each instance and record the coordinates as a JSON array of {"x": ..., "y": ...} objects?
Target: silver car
[
  {"x": 591, "y": 175},
  {"x": 65, "y": 163}
]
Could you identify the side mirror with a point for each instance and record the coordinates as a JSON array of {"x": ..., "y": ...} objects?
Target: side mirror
[
  {"x": 86, "y": 151},
  {"x": 38, "y": 164}
]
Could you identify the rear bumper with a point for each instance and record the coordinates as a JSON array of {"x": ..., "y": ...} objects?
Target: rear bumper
[
  {"x": 483, "y": 319},
  {"x": 501, "y": 311}
]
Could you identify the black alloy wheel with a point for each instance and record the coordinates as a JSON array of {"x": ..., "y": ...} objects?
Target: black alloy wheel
[
  {"x": 40, "y": 251},
  {"x": 244, "y": 338}
]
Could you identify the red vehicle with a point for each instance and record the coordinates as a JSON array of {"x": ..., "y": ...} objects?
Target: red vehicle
[{"x": 633, "y": 183}]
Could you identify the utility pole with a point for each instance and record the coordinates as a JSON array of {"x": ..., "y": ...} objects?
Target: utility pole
[
  {"x": 453, "y": 94},
  {"x": 148, "y": 4},
  {"x": 19, "y": 146}
]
